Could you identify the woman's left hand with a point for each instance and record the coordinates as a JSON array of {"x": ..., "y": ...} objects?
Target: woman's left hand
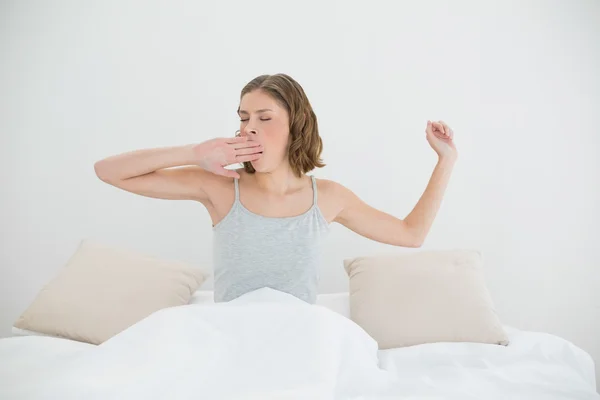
[{"x": 441, "y": 138}]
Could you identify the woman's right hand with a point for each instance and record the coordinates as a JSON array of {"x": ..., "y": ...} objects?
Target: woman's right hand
[{"x": 215, "y": 154}]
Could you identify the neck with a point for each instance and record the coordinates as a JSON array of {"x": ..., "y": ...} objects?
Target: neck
[{"x": 280, "y": 181}]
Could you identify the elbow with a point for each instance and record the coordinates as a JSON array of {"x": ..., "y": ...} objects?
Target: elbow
[
  {"x": 415, "y": 244},
  {"x": 409, "y": 241},
  {"x": 411, "y": 236},
  {"x": 418, "y": 238}
]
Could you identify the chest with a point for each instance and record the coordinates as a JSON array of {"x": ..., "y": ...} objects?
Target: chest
[
  {"x": 283, "y": 206},
  {"x": 276, "y": 206}
]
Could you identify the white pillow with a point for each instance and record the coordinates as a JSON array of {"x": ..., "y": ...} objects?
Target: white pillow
[
  {"x": 102, "y": 290},
  {"x": 423, "y": 297}
]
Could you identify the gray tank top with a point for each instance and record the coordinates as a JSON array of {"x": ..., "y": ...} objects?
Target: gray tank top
[{"x": 251, "y": 251}]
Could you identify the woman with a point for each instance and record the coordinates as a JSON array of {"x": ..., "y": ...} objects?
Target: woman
[{"x": 270, "y": 217}]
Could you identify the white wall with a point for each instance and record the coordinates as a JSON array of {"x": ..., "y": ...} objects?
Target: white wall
[{"x": 518, "y": 82}]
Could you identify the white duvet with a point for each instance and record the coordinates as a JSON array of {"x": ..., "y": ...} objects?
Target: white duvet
[{"x": 269, "y": 345}]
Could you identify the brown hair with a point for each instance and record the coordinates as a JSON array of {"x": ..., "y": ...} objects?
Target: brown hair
[{"x": 305, "y": 146}]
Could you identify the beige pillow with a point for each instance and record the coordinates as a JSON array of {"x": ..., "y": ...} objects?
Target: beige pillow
[
  {"x": 423, "y": 297},
  {"x": 103, "y": 290}
]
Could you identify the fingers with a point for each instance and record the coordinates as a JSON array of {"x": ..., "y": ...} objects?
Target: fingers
[
  {"x": 446, "y": 128},
  {"x": 249, "y": 157},
  {"x": 441, "y": 128},
  {"x": 247, "y": 145},
  {"x": 249, "y": 150},
  {"x": 237, "y": 139},
  {"x": 244, "y": 145},
  {"x": 241, "y": 142}
]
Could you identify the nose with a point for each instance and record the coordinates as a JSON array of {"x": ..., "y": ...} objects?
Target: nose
[{"x": 249, "y": 132}]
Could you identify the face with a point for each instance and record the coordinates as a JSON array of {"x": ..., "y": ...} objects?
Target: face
[{"x": 263, "y": 120}]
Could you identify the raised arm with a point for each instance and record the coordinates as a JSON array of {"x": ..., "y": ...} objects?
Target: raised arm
[
  {"x": 412, "y": 230},
  {"x": 178, "y": 172}
]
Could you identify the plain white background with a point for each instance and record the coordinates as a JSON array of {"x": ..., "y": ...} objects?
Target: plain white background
[{"x": 517, "y": 81}]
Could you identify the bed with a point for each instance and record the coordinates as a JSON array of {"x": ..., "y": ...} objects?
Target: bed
[{"x": 270, "y": 345}]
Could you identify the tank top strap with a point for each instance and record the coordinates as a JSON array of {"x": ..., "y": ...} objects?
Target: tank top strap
[
  {"x": 314, "y": 186},
  {"x": 236, "y": 185}
]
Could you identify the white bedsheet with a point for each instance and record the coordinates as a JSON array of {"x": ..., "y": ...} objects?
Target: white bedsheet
[
  {"x": 533, "y": 366},
  {"x": 23, "y": 357},
  {"x": 268, "y": 345}
]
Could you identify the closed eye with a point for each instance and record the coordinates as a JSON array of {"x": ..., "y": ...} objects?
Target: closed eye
[{"x": 262, "y": 119}]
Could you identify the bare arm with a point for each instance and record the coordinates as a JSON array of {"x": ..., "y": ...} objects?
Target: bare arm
[
  {"x": 149, "y": 172},
  {"x": 385, "y": 228},
  {"x": 412, "y": 230},
  {"x": 175, "y": 173}
]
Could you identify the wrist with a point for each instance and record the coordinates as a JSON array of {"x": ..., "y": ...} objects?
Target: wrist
[
  {"x": 199, "y": 153},
  {"x": 447, "y": 159},
  {"x": 190, "y": 153}
]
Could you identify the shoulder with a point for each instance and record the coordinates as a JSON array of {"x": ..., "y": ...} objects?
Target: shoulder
[
  {"x": 333, "y": 197},
  {"x": 219, "y": 188},
  {"x": 216, "y": 180},
  {"x": 332, "y": 189}
]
